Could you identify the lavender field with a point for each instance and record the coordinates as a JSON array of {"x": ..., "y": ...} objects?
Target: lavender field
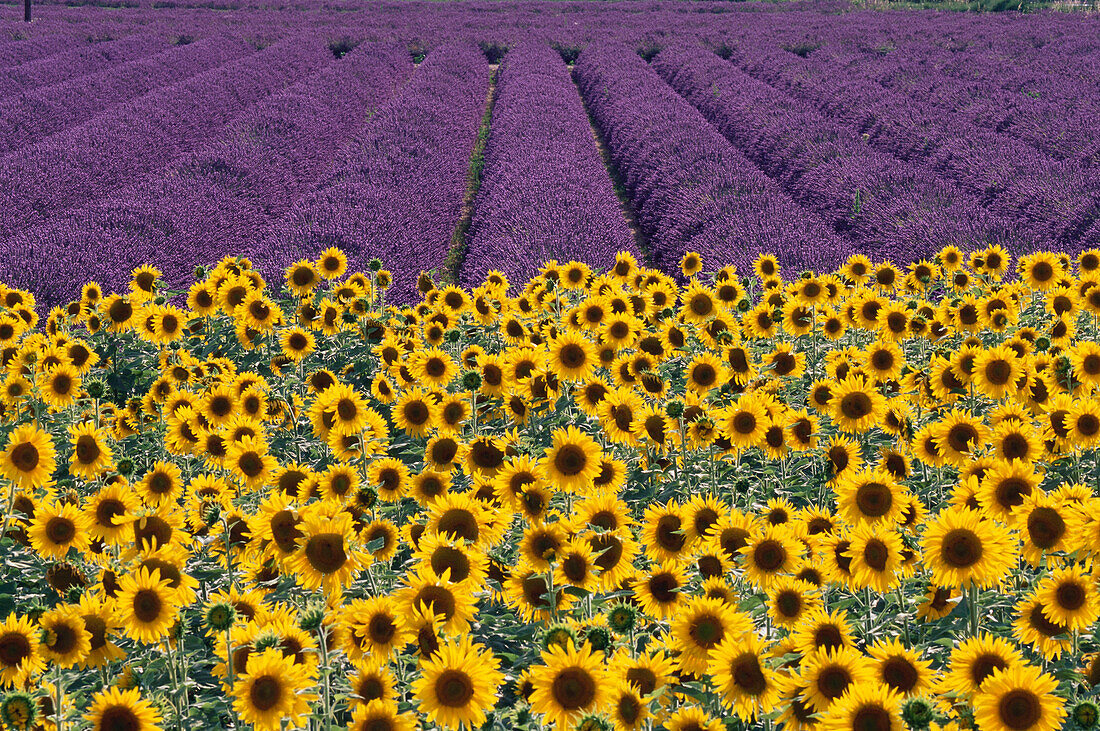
[{"x": 461, "y": 138}]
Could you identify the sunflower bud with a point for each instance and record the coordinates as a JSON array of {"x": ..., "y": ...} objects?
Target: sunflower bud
[
  {"x": 18, "y": 710},
  {"x": 471, "y": 380},
  {"x": 96, "y": 389},
  {"x": 1042, "y": 343},
  {"x": 125, "y": 467},
  {"x": 266, "y": 640},
  {"x": 917, "y": 713},
  {"x": 743, "y": 305},
  {"x": 452, "y": 335},
  {"x": 200, "y": 273},
  {"x": 366, "y": 497},
  {"x": 375, "y": 264},
  {"x": 593, "y": 722},
  {"x": 1086, "y": 714},
  {"x": 599, "y": 638},
  {"x": 559, "y": 634},
  {"x": 675, "y": 409},
  {"x": 211, "y": 513},
  {"x": 622, "y": 617},
  {"x": 220, "y": 616},
  {"x": 312, "y": 617}
]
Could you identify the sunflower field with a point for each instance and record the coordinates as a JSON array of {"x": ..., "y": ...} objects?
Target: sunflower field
[{"x": 596, "y": 500}]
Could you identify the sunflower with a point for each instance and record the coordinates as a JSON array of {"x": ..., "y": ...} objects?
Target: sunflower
[
  {"x": 147, "y": 605},
  {"x": 161, "y": 484},
  {"x": 58, "y": 527},
  {"x": 113, "y": 709},
  {"x": 1046, "y": 524},
  {"x": 854, "y": 406},
  {"x": 958, "y": 435},
  {"x": 108, "y": 513},
  {"x": 29, "y": 458},
  {"x": 1069, "y": 597},
  {"x": 900, "y": 668},
  {"x": 822, "y": 630},
  {"x": 865, "y": 706},
  {"x": 745, "y": 422},
  {"x": 1020, "y": 698},
  {"x": 381, "y": 715},
  {"x": 746, "y": 684},
  {"x": 272, "y": 689},
  {"x": 570, "y": 683},
  {"x": 332, "y": 263},
  {"x": 659, "y": 592},
  {"x": 1005, "y": 487},
  {"x": 572, "y": 462},
  {"x": 771, "y": 553},
  {"x": 963, "y": 549},
  {"x": 66, "y": 641},
  {"x": 328, "y": 555},
  {"x": 974, "y": 660},
  {"x": 1032, "y": 627},
  {"x": 790, "y": 599},
  {"x": 869, "y": 496},
  {"x": 458, "y": 684},
  {"x": 700, "y": 626},
  {"x": 91, "y": 454},
  {"x": 875, "y": 552},
  {"x": 20, "y": 650},
  {"x": 829, "y": 674},
  {"x": 996, "y": 371},
  {"x": 59, "y": 386}
]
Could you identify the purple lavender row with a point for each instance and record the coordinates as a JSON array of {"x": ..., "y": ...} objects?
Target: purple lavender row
[
  {"x": 893, "y": 210},
  {"x": 1057, "y": 117},
  {"x": 397, "y": 192},
  {"x": 212, "y": 202},
  {"x": 14, "y": 53},
  {"x": 87, "y": 162},
  {"x": 1055, "y": 201},
  {"x": 545, "y": 193},
  {"x": 79, "y": 62},
  {"x": 28, "y": 118},
  {"x": 690, "y": 188}
]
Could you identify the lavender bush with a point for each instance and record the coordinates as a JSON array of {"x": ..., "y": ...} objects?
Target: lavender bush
[{"x": 545, "y": 193}]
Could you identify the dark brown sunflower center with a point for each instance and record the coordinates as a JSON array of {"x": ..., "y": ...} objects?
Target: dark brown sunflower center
[
  {"x": 119, "y": 718},
  {"x": 872, "y": 718},
  {"x": 570, "y": 460},
  {"x": 748, "y": 675},
  {"x": 87, "y": 449},
  {"x": 25, "y": 457},
  {"x": 1070, "y": 596},
  {"x": 769, "y": 555},
  {"x": 984, "y": 666},
  {"x": 325, "y": 552},
  {"x": 14, "y": 648},
  {"x": 962, "y": 548},
  {"x": 1020, "y": 709},
  {"x": 833, "y": 680},
  {"x": 574, "y": 688},
  {"x": 1045, "y": 526},
  {"x": 60, "y": 530},
  {"x": 147, "y": 605},
  {"x": 874, "y": 499},
  {"x": 900, "y": 674},
  {"x": 856, "y": 405},
  {"x": 265, "y": 693}
]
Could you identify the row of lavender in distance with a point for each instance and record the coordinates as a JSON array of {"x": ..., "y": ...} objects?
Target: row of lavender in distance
[
  {"x": 1056, "y": 200},
  {"x": 545, "y": 193},
  {"x": 28, "y": 118},
  {"x": 79, "y": 62},
  {"x": 119, "y": 145},
  {"x": 890, "y": 208},
  {"x": 212, "y": 202},
  {"x": 397, "y": 192},
  {"x": 690, "y": 188}
]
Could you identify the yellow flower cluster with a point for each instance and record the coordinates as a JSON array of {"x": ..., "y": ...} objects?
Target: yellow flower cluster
[{"x": 852, "y": 500}]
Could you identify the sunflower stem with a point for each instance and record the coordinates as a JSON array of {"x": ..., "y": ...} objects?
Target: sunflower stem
[
  {"x": 60, "y": 696},
  {"x": 326, "y": 700},
  {"x": 972, "y": 599}
]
